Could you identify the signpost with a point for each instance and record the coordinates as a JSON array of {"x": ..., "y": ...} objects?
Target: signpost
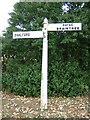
[{"x": 44, "y": 34}]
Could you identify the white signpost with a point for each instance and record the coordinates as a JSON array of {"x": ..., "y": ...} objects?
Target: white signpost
[{"x": 44, "y": 34}]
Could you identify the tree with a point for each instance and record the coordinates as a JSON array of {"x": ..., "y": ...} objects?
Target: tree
[
  {"x": 68, "y": 51},
  {"x": 30, "y": 16}
]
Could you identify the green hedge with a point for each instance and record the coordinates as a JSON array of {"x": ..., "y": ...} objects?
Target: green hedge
[
  {"x": 64, "y": 79},
  {"x": 22, "y": 79},
  {"x": 67, "y": 79}
]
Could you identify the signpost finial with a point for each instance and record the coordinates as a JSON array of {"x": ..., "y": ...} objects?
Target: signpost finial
[{"x": 45, "y": 20}]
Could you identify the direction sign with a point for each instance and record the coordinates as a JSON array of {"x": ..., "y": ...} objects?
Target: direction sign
[
  {"x": 64, "y": 27},
  {"x": 27, "y": 34}
]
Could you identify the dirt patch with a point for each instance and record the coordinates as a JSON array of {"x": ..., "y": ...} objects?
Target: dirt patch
[{"x": 29, "y": 107}]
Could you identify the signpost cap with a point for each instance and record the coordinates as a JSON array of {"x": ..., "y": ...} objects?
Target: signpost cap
[{"x": 45, "y": 20}]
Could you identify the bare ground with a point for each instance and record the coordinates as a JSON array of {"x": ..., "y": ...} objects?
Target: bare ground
[{"x": 29, "y": 107}]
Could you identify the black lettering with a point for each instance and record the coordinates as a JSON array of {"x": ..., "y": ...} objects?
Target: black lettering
[
  {"x": 77, "y": 28},
  {"x": 19, "y": 35},
  {"x": 15, "y": 35},
  {"x": 70, "y": 24},
  {"x": 25, "y": 34},
  {"x": 62, "y": 28},
  {"x": 65, "y": 24},
  {"x": 28, "y": 34},
  {"x": 67, "y": 28},
  {"x": 57, "y": 28}
]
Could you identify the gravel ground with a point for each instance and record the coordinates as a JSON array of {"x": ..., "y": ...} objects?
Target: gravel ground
[{"x": 29, "y": 107}]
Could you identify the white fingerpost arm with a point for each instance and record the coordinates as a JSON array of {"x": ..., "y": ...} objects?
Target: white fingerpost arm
[{"x": 44, "y": 74}]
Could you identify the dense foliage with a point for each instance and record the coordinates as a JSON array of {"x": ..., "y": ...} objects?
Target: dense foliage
[{"x": 69, "y": 52}]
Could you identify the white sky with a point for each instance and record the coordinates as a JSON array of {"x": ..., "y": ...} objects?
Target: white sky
[{"x": 6, "y": 6}]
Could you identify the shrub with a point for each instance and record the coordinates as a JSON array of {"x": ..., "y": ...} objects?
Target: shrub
[
  {"x": 22, "y": 79},
  {"x": 67, "y": 79},
  {"x": 64, "y": 79}
]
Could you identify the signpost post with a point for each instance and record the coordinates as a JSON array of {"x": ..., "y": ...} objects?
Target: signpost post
[
  {"x": 44, "y": 78},
  {"x": 44, "y": 34}
]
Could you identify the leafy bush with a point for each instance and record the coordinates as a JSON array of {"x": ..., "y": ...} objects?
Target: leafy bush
[
  {"x": 22, "y": 79},
  {"x": 64, "y": 79},
  {"x": 67, "y": 79}
]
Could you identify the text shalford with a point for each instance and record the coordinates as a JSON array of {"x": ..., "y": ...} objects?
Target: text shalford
[{"x": 21, "y": 34}]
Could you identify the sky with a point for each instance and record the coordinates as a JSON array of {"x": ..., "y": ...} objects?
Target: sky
[{"x": 6, "y": 6}]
